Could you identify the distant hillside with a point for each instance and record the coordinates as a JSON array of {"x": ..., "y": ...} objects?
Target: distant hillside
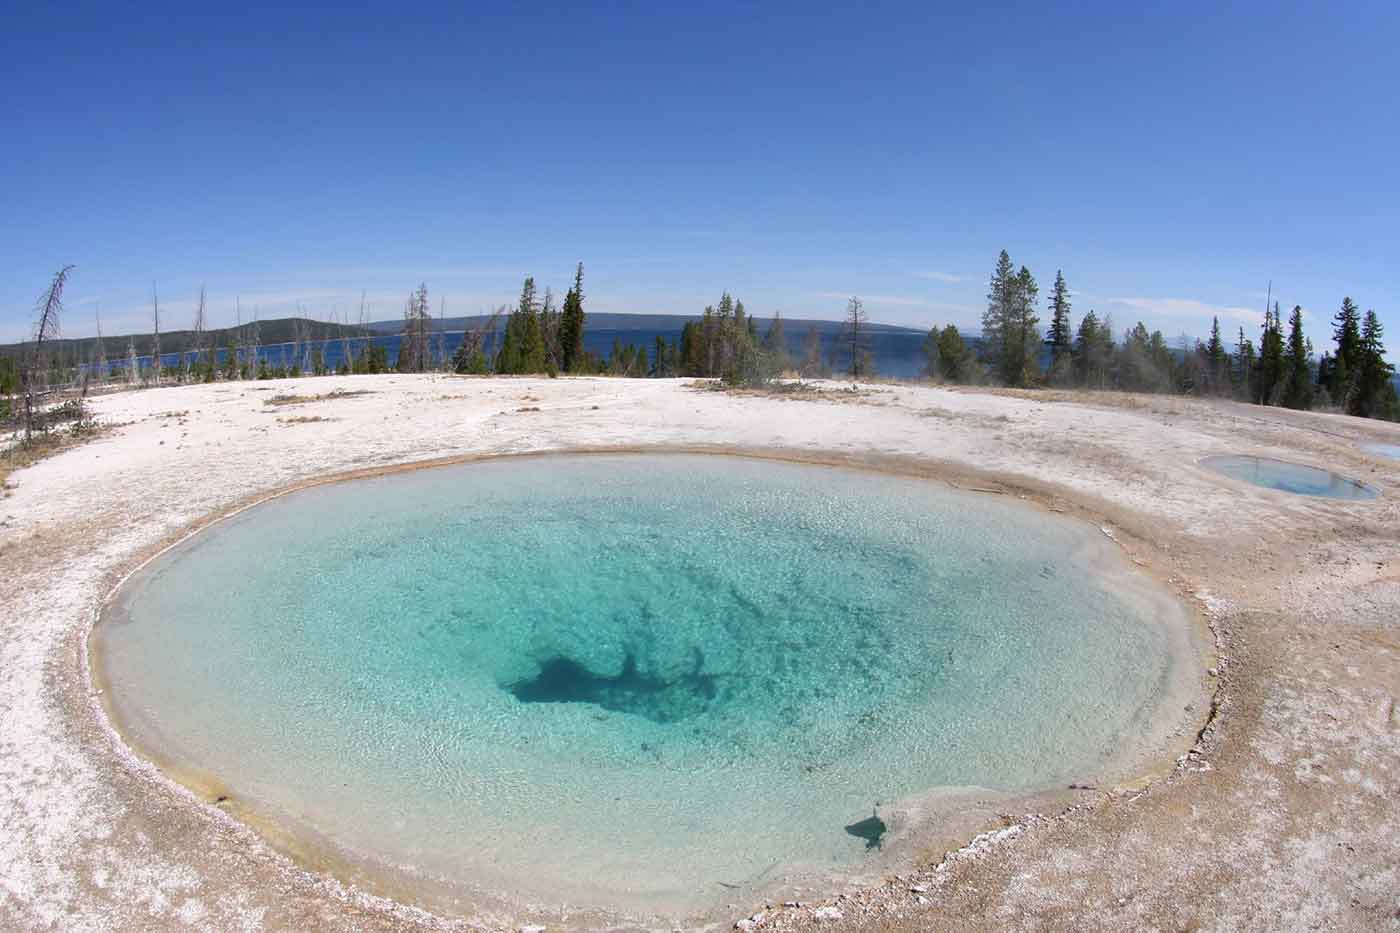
[
  {"x": 278, "y": 330},
  {"x": 650, "y": 323}
]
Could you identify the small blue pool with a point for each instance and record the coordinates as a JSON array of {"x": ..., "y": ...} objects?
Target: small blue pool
[
  {"x": 1289, "y": 477},
  {"x": 1385, "y": 450}
]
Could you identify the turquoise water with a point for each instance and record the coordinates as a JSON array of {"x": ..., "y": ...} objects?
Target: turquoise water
[
  {"x": 1289, "y": 477},
  {"x": 634, "y": 682}
]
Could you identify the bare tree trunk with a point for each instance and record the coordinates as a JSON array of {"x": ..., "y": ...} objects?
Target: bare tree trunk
[
  {"x": 50, "y": 307},
  {"x": 101, "y": 360},
  {"x": 155, "y": 349}
]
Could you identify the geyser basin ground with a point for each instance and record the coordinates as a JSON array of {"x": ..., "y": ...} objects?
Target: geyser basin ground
[
  {"x": 1289, "y": 477},
  {"x": 635, "y": 682}
]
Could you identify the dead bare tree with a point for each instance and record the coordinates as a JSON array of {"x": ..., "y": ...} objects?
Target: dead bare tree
[
  {"x": 49, "y": 309},
  {"x": 101, "y": 355},
  {"x": 155, "y": 348},
  {"x": 193, "y": 367},
  {"x": 441, "y": 361}
]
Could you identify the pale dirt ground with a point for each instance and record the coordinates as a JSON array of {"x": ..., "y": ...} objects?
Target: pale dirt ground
[{"x": 1284, "y": 818}]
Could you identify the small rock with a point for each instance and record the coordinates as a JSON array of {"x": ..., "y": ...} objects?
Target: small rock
[
  {"x": 532, "y": 929},
  {"x": 921, "y": 899},
  {"x": 918, "y": 888},
  {"x": 827, "y": 914},
  {"x": 745, "y": 924}
]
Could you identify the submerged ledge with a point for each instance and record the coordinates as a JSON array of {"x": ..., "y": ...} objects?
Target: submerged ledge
[{"x": 958, "y": 814}]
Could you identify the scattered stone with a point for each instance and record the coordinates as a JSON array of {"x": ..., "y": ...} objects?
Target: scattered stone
[
  {"x": 827, "y": 915},
  {"x": 918, "y": 888}
]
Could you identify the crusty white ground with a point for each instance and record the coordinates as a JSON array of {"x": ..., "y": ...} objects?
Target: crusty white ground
[{"x": 1285, "y": 818}]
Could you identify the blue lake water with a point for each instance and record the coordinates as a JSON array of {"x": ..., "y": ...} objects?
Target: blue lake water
[
  {"x": 1289, "y": 477},
  {"x": 635, "y": 682},
  {"x": 896, "y": 354}
]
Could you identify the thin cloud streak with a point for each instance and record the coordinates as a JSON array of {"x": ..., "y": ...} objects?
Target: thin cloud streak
[{"x": 1187, "y": 308}]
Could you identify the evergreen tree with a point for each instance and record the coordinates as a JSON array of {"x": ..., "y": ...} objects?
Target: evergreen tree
[
  {"x": 1218, "y": 361},
  {"x": 571, "y": 323},
  {"x": 948, "y": 355},
  {"x": 523, "y": 350},
  {"x": 1009, "y": 331},
  {"x": 812, "y": 365},
  {"x": 1060, "y": 338},
  {"x": 1374, "y": 394},
  {"x": 1090, "y": 367},
  {"x": 663, "y": 366},
  {"x": 692, "y": 350},
  {"x": 995, "y": 319},
  {"x": 775, "y": 344},
  {"x": 1270, "y": 369},
  {"x": 1346, "y": 363},
  {"x": 1297, "y": 391}
]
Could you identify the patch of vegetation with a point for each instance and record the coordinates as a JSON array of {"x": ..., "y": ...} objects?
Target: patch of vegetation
[
  {"x": 794, "y": 389},
  {"x": 285, "y": 398},
  {"x": 305, "y": 419}
]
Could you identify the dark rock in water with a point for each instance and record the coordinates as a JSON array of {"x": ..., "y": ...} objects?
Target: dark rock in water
[{"x": 872, "y": 829}]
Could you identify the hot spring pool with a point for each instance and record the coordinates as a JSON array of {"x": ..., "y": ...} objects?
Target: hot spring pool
[
  {"x": 635, "y": 682},
  {"x": 1385, "y": 450},
  {"x": 1289, "y": 477}
]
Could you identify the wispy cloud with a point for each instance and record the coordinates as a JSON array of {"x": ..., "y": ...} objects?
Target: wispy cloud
[
  {"x": 1186, "y": 309},
  {"x": 899, "y": 300},
  {"x": 946, "y": 277}
]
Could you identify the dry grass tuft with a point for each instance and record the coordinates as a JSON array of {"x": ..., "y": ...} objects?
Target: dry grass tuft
[
  {"x": 305, "y": 419},
  {"x": 284, "y": 398}
]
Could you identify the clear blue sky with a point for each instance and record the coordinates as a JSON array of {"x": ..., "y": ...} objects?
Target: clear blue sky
[{"x": 1171, "y": 161}]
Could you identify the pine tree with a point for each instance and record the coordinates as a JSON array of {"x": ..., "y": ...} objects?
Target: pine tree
[
  {"x": 949, "y": 358},
  {"x": 775, "y": 344},
  {"x": 692, "y": 352},
  {"x": 1297, "y": 391},
  {"x": 1022, "y": 334},
  {"x": 995, "y": 319},
  {"x": 1218, "y": 361},
  {"x": 1060, "y": 338},
  {"x": 1269, "y": 371},
  {"x": 1374, "y": 394},
  {"x": 1086, "y": 372},
  {"x": 1346, "y": 364},
  {"x": 571, "y": 323},
  {"x": 522, "y": 350},
  {"x": 812, "y": 366}
]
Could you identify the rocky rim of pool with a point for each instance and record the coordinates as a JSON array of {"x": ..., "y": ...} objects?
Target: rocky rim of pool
[{"x": 776, "y": 766}]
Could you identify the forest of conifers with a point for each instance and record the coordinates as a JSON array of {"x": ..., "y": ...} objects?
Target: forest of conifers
[{"x": 1277, "y": 366}]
